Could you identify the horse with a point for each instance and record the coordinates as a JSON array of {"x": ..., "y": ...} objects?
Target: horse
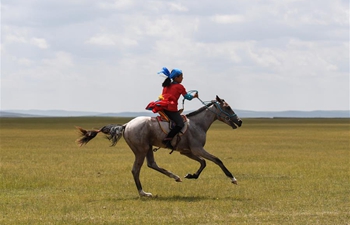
[{"x": 142, "y": 133}]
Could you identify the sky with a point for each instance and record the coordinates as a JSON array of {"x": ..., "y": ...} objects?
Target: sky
[{"x": 103, "y": 56}]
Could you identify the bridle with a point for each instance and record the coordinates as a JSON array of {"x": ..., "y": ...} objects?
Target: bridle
[
  {"x": 227, "y": 116},
  {"x": 222, "y": 114}
]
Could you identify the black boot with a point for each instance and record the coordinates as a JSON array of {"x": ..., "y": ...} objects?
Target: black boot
[{"x": 170, "y": 136}]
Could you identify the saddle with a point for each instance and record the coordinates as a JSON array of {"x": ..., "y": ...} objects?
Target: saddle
[{"x": 166, "y": 124}]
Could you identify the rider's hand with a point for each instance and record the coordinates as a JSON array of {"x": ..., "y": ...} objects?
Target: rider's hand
[{"x": 195, "y": 95}]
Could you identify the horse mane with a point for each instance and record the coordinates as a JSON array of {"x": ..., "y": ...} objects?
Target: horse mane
[{"x": 199, "y": 110}]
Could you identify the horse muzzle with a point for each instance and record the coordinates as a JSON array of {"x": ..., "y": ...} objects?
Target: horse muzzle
[
  {"x": 239, "y": 123},
  {"x": 236, "y": 123}
]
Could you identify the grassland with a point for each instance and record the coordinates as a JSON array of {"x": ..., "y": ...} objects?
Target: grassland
[{"x": 290, "y": 171}]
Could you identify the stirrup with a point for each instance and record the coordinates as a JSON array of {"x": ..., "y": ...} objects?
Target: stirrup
[{"x": 167, "y": 142}]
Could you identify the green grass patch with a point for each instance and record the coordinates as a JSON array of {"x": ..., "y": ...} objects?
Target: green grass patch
[{"x": 290, "y": 171}]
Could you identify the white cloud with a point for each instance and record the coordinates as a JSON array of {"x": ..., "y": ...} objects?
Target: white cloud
[
  {"x": 14, "y": 38},
  {"x": 61, "y": 60},
  {"x": 116, "y": 4},
  {"x": 25, "y": 62},
  {"x": 162, "y": 27},
  {"x": 178, "y": 7},
  {"x": 22, "y": 36},
  {"x": 265, "y": 57},
  {"x": 111, "y": 40},
  {"x": 39, "y": 42},
  {"x": 101, "y": 40},
  {"x": 330, "y": 13},
  {"x": 227, "y": 19},
  {"x": 271, "y": 55}
]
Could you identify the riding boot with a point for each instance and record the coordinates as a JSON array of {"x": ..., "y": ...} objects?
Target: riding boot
[{"x": 167, "y": 140}]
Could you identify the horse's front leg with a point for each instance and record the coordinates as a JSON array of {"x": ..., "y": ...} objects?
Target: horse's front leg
[
  {"x": 198, "y": 159},
  {"x": 151, "y": 163},
  {"x": 201, "y": 152},
  {"x": 139, "y": 159}
]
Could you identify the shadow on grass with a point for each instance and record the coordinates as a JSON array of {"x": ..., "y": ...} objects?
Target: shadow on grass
[{"x": 178, "y": 198}]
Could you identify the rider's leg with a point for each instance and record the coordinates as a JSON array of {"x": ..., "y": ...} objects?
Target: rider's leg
[
  {"x": 167, "y": 140},
  {"x": 177, "y": 118}
]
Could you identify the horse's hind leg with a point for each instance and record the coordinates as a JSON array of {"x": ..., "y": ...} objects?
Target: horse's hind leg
[
  {"x": 216, "y": 160},
  {"x": 151, "y": 163},
  {"x": 198, "y": 159},
  {"x": 139, "y": 159}
]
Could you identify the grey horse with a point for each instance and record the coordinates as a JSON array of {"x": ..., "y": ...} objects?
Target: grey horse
[{"x": 142, "y": 133}]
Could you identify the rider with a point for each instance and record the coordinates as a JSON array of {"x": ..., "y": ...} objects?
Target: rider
[{"x": 172, "y": 89}]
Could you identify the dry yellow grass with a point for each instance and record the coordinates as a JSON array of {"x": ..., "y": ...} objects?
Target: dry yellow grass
[{"x": 290, "y": 171}]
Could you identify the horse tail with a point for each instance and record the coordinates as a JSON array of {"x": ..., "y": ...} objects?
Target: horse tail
[{"x": 113, "y": 133}]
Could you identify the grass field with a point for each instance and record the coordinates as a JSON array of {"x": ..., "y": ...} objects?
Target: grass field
[{"x": 290, "y": 171}]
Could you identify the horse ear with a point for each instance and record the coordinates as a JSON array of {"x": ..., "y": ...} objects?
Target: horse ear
[{"x": 218, "y": 99}]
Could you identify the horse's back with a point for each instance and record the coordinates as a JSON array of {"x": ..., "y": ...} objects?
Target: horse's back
[
  {"x": 138, "y": 122},
  {"x": 139, "y": 131}
]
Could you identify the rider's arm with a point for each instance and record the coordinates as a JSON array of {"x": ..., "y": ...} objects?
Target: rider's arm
[{"x": 189, "y": 96}]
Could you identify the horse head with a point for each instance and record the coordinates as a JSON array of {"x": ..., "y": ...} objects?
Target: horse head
[{"x": 226, "y": 114}]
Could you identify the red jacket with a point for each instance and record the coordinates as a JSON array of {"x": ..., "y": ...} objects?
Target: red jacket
[
  {"x": 169, "y": 98},
  {"x": 172, "y": 93}
]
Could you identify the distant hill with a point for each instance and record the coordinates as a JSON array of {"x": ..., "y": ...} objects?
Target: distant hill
[
  {"x": 295, "y": 114},
  {"x": 64, "y": 113},
  {"x": 12, "y": 114},
  {"x": 240, "y": 113}
]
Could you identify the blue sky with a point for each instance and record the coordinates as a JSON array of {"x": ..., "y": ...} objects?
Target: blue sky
[{"x": 104, "y": 55}]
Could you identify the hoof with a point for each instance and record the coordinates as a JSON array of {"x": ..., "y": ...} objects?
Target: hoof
[
  {"x": 191, "y": 176},
  {"x": 234, "y": 181},
  {"x": 178, "y": 179},
  {"x": 145, "y": 194}
]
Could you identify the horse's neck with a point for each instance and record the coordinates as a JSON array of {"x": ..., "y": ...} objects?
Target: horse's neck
[{"x": 205, "y": 119}]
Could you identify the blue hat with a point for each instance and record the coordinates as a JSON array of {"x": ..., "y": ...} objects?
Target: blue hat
[{"x": 174, "y": 73}]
